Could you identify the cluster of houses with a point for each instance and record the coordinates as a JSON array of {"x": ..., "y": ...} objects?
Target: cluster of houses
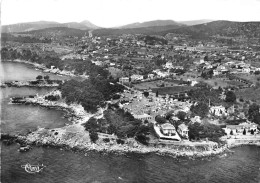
[{"x": 246, "y": 127}]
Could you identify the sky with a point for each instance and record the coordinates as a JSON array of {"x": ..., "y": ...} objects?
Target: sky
[{"x": 112, "y": 13}]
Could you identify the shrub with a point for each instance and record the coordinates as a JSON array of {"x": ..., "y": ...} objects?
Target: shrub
[
  {"x": 160, "y": 119},
  {"x": 39, "y": 77},
  {"x": 120, "y": 141},
  {"x": 106, "y": 140},
  {"x": 93, "y": 136},
  {"x": 52, "y": 97},
  {"x": 231, "y": 132},
  {"x": 46, "y": 77}
]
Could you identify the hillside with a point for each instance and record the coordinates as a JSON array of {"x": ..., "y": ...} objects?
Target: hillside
[
  {"x": 57, "y": 32},
  {"x": 195, "y": 22},
  {"x": 89, "y": 24},
  {"x": 143, "y": 30},
  {"x": 221, "y": 28},
  {"x": 30, "y": 26},
  {"x": 150, "y": 24}
]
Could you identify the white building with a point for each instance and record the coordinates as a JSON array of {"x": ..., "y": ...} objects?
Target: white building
[
  {"x": 137, "y": 77},
  {"x": 168, "y": 65},
  {"x": 218, "y": 110},
  {"x": 143, "y": 117},
  {"x": 183, "y": 130},
  {"x": 124, "y": 80}
]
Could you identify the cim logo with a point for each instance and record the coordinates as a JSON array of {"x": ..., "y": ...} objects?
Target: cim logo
[{"x": 33, "y": 168}]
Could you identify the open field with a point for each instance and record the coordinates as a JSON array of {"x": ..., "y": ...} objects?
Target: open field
[
  {"x": 249, "y": 94},
  {"x": 172, "y": 90},
  {"x": 250, "y": 77},
  {"x": 215, "y": 82},
  {"x": 147, "y": 85}
]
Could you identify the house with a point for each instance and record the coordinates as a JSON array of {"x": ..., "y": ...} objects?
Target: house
[
  {"x": 217, "y": 110},
  {"x": 150, "y": 76},
  {"x": 124, "y": 80},
  {"x": 246, "y": 70},
  {"x": 137, "y": 77},
  {"x": 168, "y": 65},
  {"x": 238, "y": 129},
  {"x": 216, "y": 72},
  {"x": 143, "y": 117},
  {"x": 249, "y": 126},
  {"x": 183, "y": 131},
  {"x": 166, "y": 131},
  {"x": 196, "y": 119},
  {"x": 234, "y": 128},
  {"x": 193, "y": 83}
]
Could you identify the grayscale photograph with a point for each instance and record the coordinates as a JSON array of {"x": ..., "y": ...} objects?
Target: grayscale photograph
[{"x": 130, "y": 91}]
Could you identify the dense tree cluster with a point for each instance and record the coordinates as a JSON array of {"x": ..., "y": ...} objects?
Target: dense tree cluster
[
  {"x": 152, "y": 40},
  {"x": 205, "y": 95},
  {"x": 200, "y": 109},
  {"x": 90, "y": 93},
  {"x": 22, "y": 39},
  {"x": 51, "y": 59},
  {"x": 123, "y": 124},
  {"x": 210, "y": 131}
]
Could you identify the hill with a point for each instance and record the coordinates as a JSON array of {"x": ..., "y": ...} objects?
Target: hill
[
  {"x": 57, "y": 32},
  {"x": 153, "y": 23},
  {"x": 143, "y": 30},
  {"x": 29, "y": 26},
  {"x": 195, "y": 22},
  {"x": 89, "y": 24},
  {"x": 219, "y": 28}
]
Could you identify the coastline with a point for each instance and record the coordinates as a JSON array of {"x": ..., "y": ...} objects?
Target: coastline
[
  {"x": 43, "y": 68},
  {"x": 27, "y": 84},
  {"x": 75, "y": 137}
]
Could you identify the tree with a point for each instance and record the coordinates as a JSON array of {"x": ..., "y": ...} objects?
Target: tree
[
  {"x": 231, "y": 132},
  {"x": 206, "y": 58},
  {"x": 146, "y": 94},
  {"x": 159, "y": 119},
  {"x": 244, "y": 132},
  {"x": 39, "y": 77},
  {"x": 253, "y": 113},
  {"x": 92, "y": 124},
  {"x": 210, "y": 131},
  {"x": 230, "y": 97},
  {"x": 93, "y": 136},
  {"x": 181, "y": 115},
  {"x": 46, "y": 77},
  {"x": 141, "y": 134},
  {"x": 201, "y": 109},
  {"x": 111, "y": 129}
]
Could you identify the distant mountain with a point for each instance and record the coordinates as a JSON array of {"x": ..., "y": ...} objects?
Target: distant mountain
[
  {"x": 153, "y": 23},
  {"x": 29, "y": 26},
  {"x": 57, "y": 32},
  {"x": 142, "y": 30},
  {"x": 195, "y": 22},
  {"x": 221, "y": 28},
  {"x": 89, "y": 24}
]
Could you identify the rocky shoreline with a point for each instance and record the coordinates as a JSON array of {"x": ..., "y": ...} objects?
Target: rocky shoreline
[
  {"x": 75, "y": 137},
  {"x": 27, "y": 84},
  {"x": 45, "y": 69}
]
